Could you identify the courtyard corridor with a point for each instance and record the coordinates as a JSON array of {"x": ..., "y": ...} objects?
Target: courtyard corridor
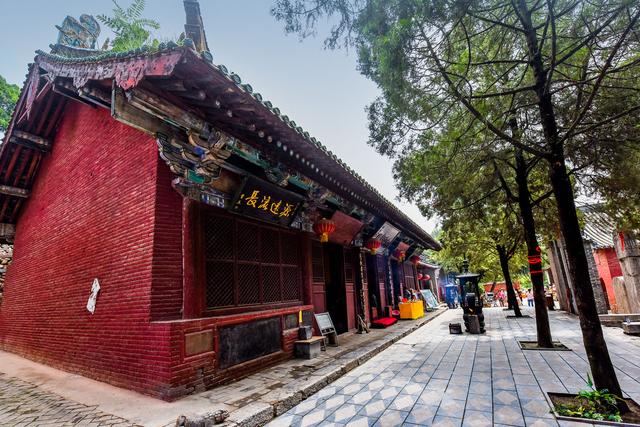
[{"x": 433, "y": 378}]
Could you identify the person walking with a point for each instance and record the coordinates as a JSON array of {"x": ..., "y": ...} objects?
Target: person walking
[{"x": 530, "y": 298}]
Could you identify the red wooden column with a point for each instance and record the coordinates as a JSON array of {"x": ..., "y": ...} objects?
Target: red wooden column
[{"x": 361, "y": 269}]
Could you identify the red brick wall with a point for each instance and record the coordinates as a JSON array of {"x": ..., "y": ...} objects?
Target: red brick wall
[
  {"x": 167, "y": 289},
  {"x": 92, "y": 214},
  {"x": 199, "y": 372},
  {"x": 103, "y": 207}
]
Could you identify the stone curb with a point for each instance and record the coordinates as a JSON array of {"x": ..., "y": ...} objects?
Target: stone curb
[{"x": 279, "y": 401}]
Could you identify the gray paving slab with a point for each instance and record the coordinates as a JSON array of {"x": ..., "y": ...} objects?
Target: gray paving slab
[
  {"x": 432, "y": 378},
  {"x": 25, "y": 404}
]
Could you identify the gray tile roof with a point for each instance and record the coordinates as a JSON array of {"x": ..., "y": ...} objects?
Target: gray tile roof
[{"x": 599, "y": 228}]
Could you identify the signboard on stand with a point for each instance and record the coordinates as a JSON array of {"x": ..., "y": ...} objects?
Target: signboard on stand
[
  {"x": 325, "y": 324},
  {"x": 429, "y": 298}
]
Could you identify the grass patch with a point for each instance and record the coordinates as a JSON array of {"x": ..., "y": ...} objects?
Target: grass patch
[{"x": 533, "y": 345}]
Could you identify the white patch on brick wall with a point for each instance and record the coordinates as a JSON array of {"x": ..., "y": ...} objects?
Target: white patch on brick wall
[{"x": 95, "y": 288}]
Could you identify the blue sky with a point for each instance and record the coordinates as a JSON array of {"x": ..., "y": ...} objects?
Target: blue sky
[{"x": 320, "y": 89}]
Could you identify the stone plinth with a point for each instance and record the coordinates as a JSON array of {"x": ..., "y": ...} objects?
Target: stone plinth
[
  {"x": 628, "y": 251},
  {"x": 622, "y": 298}
]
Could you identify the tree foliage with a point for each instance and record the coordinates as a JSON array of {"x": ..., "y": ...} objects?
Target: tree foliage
[
  {"x": 131, "y": 29},
  {"x": 429, "y": 57},
  {"x": 556, "y": 67},
  {"x": 8, "y": 97}
]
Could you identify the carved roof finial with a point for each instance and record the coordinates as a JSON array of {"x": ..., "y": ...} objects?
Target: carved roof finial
[
  {"x": 194, "y": 28},
  {"x": 81, "y": 33}
]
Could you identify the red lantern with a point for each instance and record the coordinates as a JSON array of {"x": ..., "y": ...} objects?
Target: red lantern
[
  {"x": 373, "y": 245},
  {"x": 420, "y": 276},
  {"x": 324, "y": 228},
  {"x": 415, "y": 260},
  {"x": 399, "y": 255},
  {"x": 427, "y": 277}
]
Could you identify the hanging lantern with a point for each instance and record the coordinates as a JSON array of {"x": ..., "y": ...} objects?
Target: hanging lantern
[
  {"x": 324, "y": 228},
  {"x": 399, "y": 255},
  {"x": 420, "y": 276},
  {"x": 427, "y": 277},
  {"x": 373, "y": 245},
  {"x": 415, "y": 260}
]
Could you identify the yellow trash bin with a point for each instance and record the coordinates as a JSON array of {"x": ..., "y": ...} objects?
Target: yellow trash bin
[{"x": 411, "y": 310}]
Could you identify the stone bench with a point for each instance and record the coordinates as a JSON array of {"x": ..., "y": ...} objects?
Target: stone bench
[
  {"x": 616, "y": 320},
  {"x": 631, "y": 328},
  {"x": 308, "y": 349}
]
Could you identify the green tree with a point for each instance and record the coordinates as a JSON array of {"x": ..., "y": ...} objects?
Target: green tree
[
  {"x": 8, "y": 97},
  {"x": 131, "y": 30},
  {"x": 463, "y": 167},
  {"x": 489, "y": 237},
  {"x": 547, "y": 64},
  {"x": 619, "y": 186}
]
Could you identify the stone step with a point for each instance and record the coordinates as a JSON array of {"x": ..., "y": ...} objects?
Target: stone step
[
  {"x": 631, "y": 328},
  {"x": 616, "y": 320}
]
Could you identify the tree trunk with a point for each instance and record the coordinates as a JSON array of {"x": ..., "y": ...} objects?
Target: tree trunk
[
  {"x": 604, "y": 375},
  {"x": 511, "y": 293},
  {"x": 534, "y": 253}
]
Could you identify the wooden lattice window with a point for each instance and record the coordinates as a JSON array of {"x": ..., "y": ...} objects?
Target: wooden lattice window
[
  {"x": 349, "y": 272},
  {"x": 249, "y": 264},
  {"x": 409, "y": 279}
]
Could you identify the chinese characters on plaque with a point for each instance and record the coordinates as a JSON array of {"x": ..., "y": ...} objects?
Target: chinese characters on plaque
[{"x": 268, "y": 202}]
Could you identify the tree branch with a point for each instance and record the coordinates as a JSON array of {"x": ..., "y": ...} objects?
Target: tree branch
[
  {"x": 601, "y": 77},
  {"x": 471, "y": 108}
]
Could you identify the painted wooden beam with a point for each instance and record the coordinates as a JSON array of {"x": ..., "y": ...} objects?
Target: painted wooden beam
[
  {"x": 14, "y": 191},
  {"x": 126, "y": 113},
  {"x": 7, "y": 232},
  {"x": 67, "y": 89},
  {"x": 164, "y": 110},
  {"x": 95, "y": 95},
  {"x": 29, "y": 140}
]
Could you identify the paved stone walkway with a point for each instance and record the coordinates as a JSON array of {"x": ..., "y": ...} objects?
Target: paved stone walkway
[
  {"x": 39, "y": 395},
  {"x": 24, "y": 404},
  {"x": 433, "y": 378}
]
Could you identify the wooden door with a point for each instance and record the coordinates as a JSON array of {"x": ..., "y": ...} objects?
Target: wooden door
[
  {"x": 350, "y": 288},
  {"x": 383, "y": 279},
  {"x": 318, "y": 292}
]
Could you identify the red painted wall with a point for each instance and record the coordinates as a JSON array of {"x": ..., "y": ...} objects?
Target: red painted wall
[
  {"x": 608, "y": 268},
  {"x": 500, "y": 286}
]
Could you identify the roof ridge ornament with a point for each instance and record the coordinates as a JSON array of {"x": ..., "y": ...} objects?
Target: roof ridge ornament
[
  {"x": 194, "y": 28},
  {"x": 77, "y": 37}
]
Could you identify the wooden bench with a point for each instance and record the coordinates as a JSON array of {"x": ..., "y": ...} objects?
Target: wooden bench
[{"x": 308, "y": 349}]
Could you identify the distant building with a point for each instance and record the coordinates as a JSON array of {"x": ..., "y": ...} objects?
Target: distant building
[
  {"x": 598, "y": 234},
  {"x": 599, "y": 230},
  {"x": 499, "y": 286}
]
